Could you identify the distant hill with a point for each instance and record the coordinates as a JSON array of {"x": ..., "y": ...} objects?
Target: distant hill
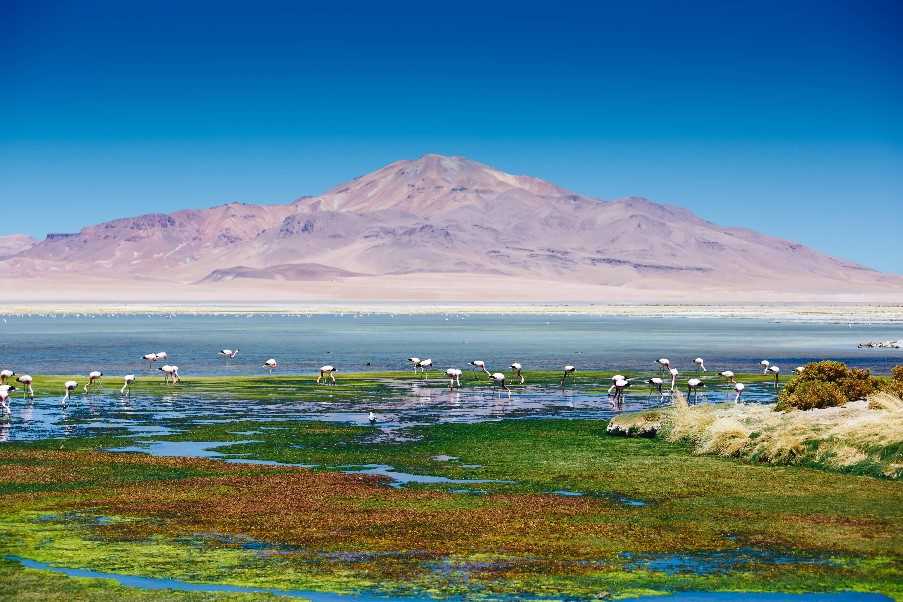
[{"x": 443, "y": 215}]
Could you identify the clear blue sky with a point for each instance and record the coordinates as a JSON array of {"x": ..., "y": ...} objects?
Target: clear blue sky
[{"x": 780, "y": 116}]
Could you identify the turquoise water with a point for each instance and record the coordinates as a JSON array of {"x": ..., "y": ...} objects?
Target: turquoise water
[{"x": 115, "y": 344}]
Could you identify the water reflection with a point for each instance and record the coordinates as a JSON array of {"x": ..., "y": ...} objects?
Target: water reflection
[{"x": 398, "y": 405}]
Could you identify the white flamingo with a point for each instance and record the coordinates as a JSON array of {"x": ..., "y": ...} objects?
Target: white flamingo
[
  {"x": 674, "y": 373},
  {"x": 5, "y": 390},
  {"x": 764, "y": 364},
  {"x": 618, "y": 387},
  {"x": 480, "y": 365},
  {"x": 271, "y": 364},
  {"x": 700, "y": 365},
  {"x": 655, "y": 382},
  {"x": 693, "y": 386},
  {"x": 568, "y": 370},
  {"x": 454, "y": 378},
  {"x": 327, "y": 372},
  {"x": 776, "y": 370},
  {"x": 663, "y": 364},
  {"x": 170, "y": 373},
  {"x": 424, "y": 365},
  {"x": 517, "y": 369},
  {"x": 5, "y": 374},
  {"x": 498, "y": 378},
  {"x": 414, "y": 361},
  {"x": 93, "y": 376},
  {"x": 70, "y": 386},
  {"x": 26, "y": 380},
  {"x": 799, "y": 369},
  {"x": 729, "y": 375},
  {"x": 372, "y": 418},
  {"x": 738, "y": 387},
  {"x": 162, "y": 355},
  {"x": 127, "y": 381},
  {"x": 229, "y": 354},
  {"x": 150, "y": 358}
]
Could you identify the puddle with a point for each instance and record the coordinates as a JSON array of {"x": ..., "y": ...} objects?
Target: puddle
[
  {"x": 400, "y": 479},
  {"x": 154, "y": 583},
  {"x": 613, "y": 497},
  {"x": 190, "y": 449},
  {"x": 708, "y": 563}
]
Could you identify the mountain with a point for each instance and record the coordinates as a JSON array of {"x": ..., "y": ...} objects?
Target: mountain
[
  {"x": 14, "y": 244},
  {"x": 450, "y": 216}
]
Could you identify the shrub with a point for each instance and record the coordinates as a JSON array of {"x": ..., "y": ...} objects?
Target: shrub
[
  {"x": 812, "y": 394},
  {"x": 895, "y": 384},
  {"x": 824, "y": 385}
]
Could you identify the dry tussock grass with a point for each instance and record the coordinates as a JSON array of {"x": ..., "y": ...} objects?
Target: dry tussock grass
[{"x": 863, "y": 436}]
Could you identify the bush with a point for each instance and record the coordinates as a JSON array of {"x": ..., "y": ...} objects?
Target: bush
[
  {"x": 895, "y": 384},
  {"x": 812, "y": 394},
  {"x": 825, "y": 385}
]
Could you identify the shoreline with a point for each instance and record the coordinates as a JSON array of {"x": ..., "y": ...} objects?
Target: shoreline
[{"x": 853, "y": 313}]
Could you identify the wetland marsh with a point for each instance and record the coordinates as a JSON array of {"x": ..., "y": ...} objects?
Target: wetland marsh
[{"x": 258, "y": 487}]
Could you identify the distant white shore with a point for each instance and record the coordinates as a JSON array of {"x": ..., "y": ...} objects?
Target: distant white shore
[{"x": 853, "y": 313}]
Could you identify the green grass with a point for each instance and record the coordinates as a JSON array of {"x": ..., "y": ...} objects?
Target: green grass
[{"x": 168, "y": 513}]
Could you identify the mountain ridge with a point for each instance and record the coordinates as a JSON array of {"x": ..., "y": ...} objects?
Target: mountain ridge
[{"x": 452, "y": 215}]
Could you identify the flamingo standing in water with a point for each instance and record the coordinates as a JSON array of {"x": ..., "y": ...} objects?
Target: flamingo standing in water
[
  {"x": 738, "y": 387},
  {"x": 414, "y": 361},
  {"x": 674, "y": 373},
  {"x": 454, "y": 378},
  {"x": 327, "y": 372},
  {"x": 271, "y": 364},
  {"x": 26, "y": 380},
  {"x": 424, "y": 365},
  {"x": 776, "y": 370},
  {"x": 162, "y": 355},
  {"x": 480, "y": 365},
  {"x": 229, "y": 354},
  {"x": 372, "y": 418},
  {"x": 663, "y": 364},
  {"x": 655, "y": 382},
  {"x": 567, "y": 370},
  {"x": 150, "y": 358},
  {"x": 498, "y": 378},
  {"x": 93, "y": 377},
  {"x": 127, "y": 381},
  {"x": 5, "y": 374},
  {"x": 700, "y": 365},
  {"x": 5, "y": 390},
  {"x": 170, "y": 373},
  {"x": 70, "y": 386},
  {"x": 693, "y": 386},
  {"x": 729, "y": 375},
  {"x": 618, "y": 386},
  {"x": 764, "y": 364},
  {"x": 516, "y": 368}
]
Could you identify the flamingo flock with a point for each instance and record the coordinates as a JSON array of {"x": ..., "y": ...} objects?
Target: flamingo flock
[{"x": 327, "y": 375}]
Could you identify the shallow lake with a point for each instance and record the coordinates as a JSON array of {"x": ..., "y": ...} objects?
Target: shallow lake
[{"x": 115, "y": 343}]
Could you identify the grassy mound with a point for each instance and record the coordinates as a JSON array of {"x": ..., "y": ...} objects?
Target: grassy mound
[{"x": 862, "y": 437}]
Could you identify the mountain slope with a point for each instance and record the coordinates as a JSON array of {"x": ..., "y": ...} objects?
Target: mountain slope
[
  {"x": 450, "y": 215},
  {"x": 14, "y": 244}
]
